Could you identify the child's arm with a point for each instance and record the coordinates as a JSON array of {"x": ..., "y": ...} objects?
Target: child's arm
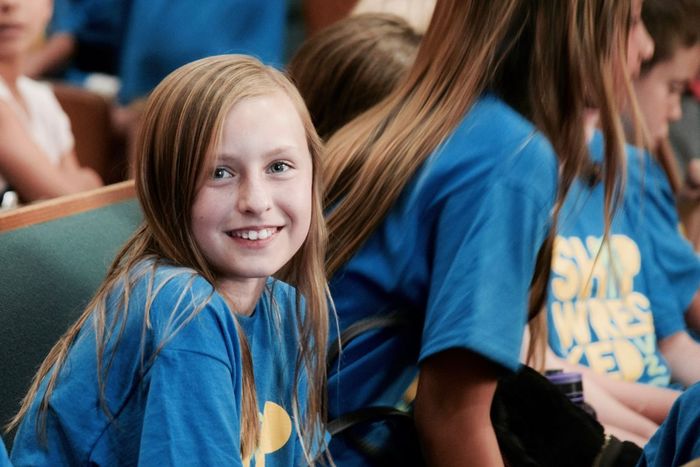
[
  {"x": 453, "y": 410},
  {"x": 683, "y": 354},
  {"x": 616, "y": 416},
  {"x": 52, "y": 56},
  {"x": 70, "y": 161},
  {"x": 650, "y": 402},
  {"x": 28, "y": 171}
]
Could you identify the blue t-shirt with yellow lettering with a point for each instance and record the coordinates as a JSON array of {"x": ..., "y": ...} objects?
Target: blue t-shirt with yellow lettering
[
  {"x": 609, "y": 305},
  {"x": 453, "y": 260},
  {"x": 181, "y": 406}
]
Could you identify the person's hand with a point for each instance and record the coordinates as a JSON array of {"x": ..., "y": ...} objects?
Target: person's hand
[
  {"x": 691, "y": 186},
  {"x": 87, "y": 178}
]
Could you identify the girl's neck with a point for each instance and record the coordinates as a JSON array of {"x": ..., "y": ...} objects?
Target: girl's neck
[
  {"x": 242, "y": 295},
  {"x": 590, "y": 122}
]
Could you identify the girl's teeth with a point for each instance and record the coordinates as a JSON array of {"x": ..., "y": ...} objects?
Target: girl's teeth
[{"x": 256, "y": 235}]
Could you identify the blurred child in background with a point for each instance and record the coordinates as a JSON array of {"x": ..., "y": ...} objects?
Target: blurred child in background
[{"x": 37, "y": 158}]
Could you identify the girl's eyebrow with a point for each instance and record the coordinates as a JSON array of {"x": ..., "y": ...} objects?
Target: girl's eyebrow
[{"x": 231, "y": 156}]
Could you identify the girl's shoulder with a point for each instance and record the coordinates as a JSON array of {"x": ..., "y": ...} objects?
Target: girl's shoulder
[
  {"x": 177, "y": 310},
  {"x": 162, "y": 279},
  {"x": 170, "y": 295},
  {"x": 494, "y": 145},
  {"x": 493, "y": 134}
]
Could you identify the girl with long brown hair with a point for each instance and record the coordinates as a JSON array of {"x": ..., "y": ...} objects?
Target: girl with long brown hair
[
  {"x": 190, "y": 353},
  {"x": 443, "y": 200}
]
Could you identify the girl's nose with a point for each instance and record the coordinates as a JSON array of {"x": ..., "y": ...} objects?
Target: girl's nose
[{"x": 253, "y": 197}]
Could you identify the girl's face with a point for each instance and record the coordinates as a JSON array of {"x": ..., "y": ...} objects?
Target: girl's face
[
  {"x": 660, "y": 89},
  {"x": 21, "y": 23},
  {"x": 253, "y": 211},
  {"x": 640, "y": 46}
]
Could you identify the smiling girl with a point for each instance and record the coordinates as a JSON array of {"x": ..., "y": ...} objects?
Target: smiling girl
[{"x": 190, "y": 353}]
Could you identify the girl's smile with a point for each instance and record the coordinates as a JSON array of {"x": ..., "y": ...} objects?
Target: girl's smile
[{"x": 254, "y": 238}]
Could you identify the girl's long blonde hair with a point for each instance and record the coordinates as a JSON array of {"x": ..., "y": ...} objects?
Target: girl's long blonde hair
[
  {"x": 548, "y": 59},
  {"x": 182, "y": 126}
]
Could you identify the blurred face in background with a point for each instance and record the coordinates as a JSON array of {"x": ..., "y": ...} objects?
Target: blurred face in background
[
  {"x": 659, "y": 90},
  {"x": 22, "y": 22}
]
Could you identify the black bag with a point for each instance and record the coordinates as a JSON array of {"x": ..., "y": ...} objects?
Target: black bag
[{"x": 537, "y": 425}]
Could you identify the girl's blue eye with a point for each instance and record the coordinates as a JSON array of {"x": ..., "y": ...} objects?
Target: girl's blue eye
[
  {"x": 278, "y": 167},
  {"x": 220, "y": 172}
]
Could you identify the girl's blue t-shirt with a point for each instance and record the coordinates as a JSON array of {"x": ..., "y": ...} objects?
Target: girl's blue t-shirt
[
  {"x": 183, "y": 406},
  {"x": 453, "y": 259},
  {"x": 609, "y": 306}
]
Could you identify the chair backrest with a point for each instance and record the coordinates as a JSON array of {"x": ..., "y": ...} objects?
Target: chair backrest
[
  {"x": 53, "y": 256},
  {"x": 96, "y": 143}
]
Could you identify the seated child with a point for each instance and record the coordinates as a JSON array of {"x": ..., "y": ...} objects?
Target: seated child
[
  {"x": 191, "y": 353},
  {"x": 617, "y": 303},
  {"x": 37, "y": 158}
]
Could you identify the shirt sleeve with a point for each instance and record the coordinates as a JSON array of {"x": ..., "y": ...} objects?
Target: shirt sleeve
[
  {"x": 192, "y": 412},
  {"x": 481, "y": 278}
]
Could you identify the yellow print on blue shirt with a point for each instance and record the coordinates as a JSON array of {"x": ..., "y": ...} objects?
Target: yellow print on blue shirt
[
  {"x": 599, "y": 311},
  {"x": 275, "y": 432}
]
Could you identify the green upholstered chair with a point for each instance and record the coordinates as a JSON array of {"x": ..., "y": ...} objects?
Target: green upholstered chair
[{"x": 53, "y": 256}]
